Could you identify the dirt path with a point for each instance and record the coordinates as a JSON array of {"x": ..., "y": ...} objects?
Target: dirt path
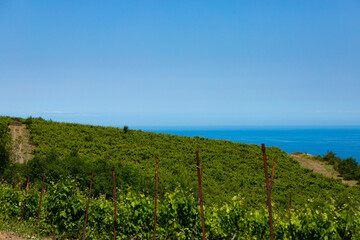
[
  {"x": 21, "y": 147},
  {"x": 14, "y": 236},
  {"x": 9, "y": 235},
  {"x": 307, "y": 161}
]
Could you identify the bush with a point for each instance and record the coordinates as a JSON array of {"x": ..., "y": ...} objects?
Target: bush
[
  {"x": 331, "y": 158},
  {"x": 126, "y": 128},
  {"x": 5, "y": 160}
]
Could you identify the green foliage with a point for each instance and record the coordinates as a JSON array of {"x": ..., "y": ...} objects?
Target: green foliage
[
  {"x": 73, "y": 150},
  {"x": 126, "y": 128},
  {"x": 68, "y": 152},
  {"x": 331, "y": 158},
  {"x": 5, "y": 160},
  {"x": 65, "y": 208},
  {"x": 28, "y": 121},
  {"x": 348, "y": 167},
  {"x": 64, "y": 205}
]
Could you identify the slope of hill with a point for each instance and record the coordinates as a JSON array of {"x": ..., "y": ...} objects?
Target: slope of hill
[
  {"x": 72, "y": 150},
  {"x": 311, "y": 162}
]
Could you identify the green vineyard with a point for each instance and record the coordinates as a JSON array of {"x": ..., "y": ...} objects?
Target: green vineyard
[
  {"x": 63, "y": 211},
  {"x": 233, "y": 180}
]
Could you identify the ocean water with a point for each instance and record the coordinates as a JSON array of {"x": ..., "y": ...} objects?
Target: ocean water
[{"x": 344, "y": 141}]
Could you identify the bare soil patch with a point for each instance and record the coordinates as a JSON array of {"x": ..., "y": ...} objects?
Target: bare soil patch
[
  {"x": 307, "y": 161},
  {"x": 9, "y": 235},
  {"x": 14, "y": 236},
  {"x": 20, "y": 144}
]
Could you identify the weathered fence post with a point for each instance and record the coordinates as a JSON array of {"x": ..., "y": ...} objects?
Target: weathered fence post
[
  {"x": 272, "y": 174},
  {"x": 23, "y": 207},
  {"x": 87, "y": 206},
  {"x": 42, "y": 191},
  {"x": 198, "y": 200},
  {"x": 200, "y": 193},
  {"x": 268, "y": 192},
  {"x": 114, "y": 193},
  {"x": 156, "y": 189}
]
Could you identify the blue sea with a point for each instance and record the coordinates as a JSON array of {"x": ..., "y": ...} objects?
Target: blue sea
[{"x": 344, "y": 141}]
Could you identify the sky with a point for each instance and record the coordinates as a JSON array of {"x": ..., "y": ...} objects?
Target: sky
[{"x": 182, "y": 63}]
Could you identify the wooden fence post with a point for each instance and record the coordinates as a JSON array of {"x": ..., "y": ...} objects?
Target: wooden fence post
[
  {"x": 198, "y": 200},
  {"x": 272, "y": 174},
  {"x": 268, "y": 190}
]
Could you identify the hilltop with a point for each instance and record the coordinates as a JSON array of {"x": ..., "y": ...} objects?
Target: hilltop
[{"x": 73, "y": 150}]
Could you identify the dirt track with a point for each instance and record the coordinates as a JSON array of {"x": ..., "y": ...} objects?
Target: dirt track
[
  {"x": 21, "y": 147},
  {"x": 14, "y": 236},
  {"x": 10, "y": 235},
  {"x": 319, "y": 167}
]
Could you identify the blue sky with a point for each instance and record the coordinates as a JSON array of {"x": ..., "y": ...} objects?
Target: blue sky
[{"x": 181, "y": 63}]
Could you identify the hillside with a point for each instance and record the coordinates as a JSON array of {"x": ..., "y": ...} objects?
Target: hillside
[
  {"x": 310, "y": 162},
  {"x": 233, "y": 187},
  {"x": 66, "y": 149}
]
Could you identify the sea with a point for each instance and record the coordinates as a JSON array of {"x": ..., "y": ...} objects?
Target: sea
[{"x": 344, "y": 141}]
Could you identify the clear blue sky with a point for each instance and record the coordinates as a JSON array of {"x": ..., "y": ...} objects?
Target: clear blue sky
[{"x": 181, "y": 63}]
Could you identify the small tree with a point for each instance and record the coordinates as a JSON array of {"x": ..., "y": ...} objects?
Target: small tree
[
  {"x": 126, "y": 128},
  {"x": 331, "y": 158}
]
